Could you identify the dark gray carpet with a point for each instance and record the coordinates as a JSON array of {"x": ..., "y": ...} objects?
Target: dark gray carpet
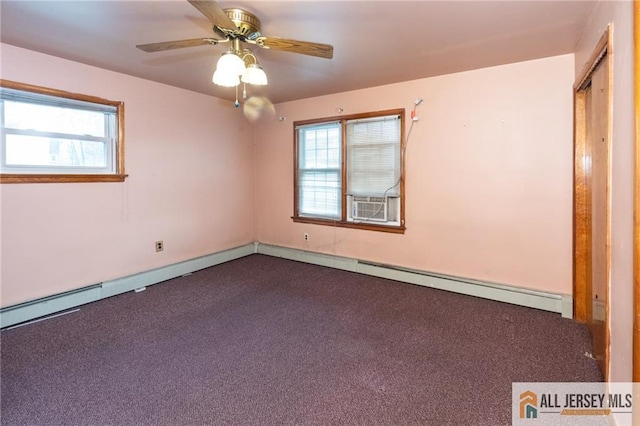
[{"x": 265, "y": 341}]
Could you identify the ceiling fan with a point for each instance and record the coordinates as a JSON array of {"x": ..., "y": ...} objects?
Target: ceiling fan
[
  {"x": 238, "y": 25},
  {"x": 239, "y": 64}
]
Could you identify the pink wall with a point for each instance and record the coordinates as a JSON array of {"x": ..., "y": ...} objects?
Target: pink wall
[
  {"x": 189, "y": 160},
  {"x": 488, "y": 181},
  {"x": 621, "y": 288},
  {"x": 489, "y": 176}
]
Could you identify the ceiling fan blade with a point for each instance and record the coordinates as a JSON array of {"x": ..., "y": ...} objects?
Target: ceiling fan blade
[
  {"x": 176, "y": 44},
  {"x": 295, "y": 46},
  {"x": 214, "y": 13}
]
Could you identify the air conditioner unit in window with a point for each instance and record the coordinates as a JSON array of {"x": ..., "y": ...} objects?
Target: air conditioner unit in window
[{"x": 370, "y": 208}]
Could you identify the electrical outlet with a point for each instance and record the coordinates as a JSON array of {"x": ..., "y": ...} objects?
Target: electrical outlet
[
  {"x": 306, "y": 236},
  {"x": 159, "y": 245}
]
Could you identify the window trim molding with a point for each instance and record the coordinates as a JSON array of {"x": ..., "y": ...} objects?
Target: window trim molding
[
  {"x": 394, "y": 229},
  {"x": 118, "y": 176},
  {"x": 343, "y": 223}
]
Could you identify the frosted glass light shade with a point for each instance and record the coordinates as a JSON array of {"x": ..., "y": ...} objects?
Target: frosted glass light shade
[
  {"x": 230, "y": 62},
  {"x": 225, "y": 79},
  {"x": 228, "y": 70},
  {"x": 254, "y": 74}
]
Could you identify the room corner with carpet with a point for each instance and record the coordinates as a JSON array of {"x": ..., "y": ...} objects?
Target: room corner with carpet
[{"x": 264, "y": 340}]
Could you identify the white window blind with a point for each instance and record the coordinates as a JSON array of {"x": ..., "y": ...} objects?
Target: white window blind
[
  {"x": 319, "y": 175},
  {"x": 373, "y": 156}
]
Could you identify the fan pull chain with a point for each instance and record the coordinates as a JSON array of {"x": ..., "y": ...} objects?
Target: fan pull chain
[
  {"x": 244, "y": 91},
  {"x": 236, "y": 103}
]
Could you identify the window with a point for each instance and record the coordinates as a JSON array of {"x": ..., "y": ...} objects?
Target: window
[
  {"x": 319, "y": 170},
  {"x": 55, "y": 136},
  {"x": 349, "y": 171}
]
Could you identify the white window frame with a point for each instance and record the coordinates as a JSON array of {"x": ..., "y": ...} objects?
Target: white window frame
[
  {"x": 388, "y": 194},
  {"x": 113, "y": 138}
]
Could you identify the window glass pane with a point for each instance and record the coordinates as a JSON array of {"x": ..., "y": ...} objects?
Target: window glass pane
[
  {"x": 320, "y": 194},
  {"x": 42, "y": 151},
  {"x": 320, "y": 148},
  {"x": 46, "y": 118}
]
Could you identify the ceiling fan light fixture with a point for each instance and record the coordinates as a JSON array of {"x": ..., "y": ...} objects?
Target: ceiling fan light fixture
[
  {"x": 239, "y": 26},
  {"x": 254, "y": 74}
]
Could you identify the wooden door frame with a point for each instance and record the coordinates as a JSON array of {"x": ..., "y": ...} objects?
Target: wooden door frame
[
  {"x": 603, "y": 51},
  {"x": 636, "y": 193}
]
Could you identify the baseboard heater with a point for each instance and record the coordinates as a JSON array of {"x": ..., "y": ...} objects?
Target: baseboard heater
[
  {"x": 474, "y": 287},
  {"x": 45, "y": 306},
  {"x": 27, "y": 311},
  {"x": 553, "y": 302},
  {"x": 30, "y": 310}
]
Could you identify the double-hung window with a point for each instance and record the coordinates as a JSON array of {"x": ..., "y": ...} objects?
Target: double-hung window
[
  {"x": 54, "y": 136},
  {"x": 349, "y": 171},
  {"x": 319, "y": 170}
]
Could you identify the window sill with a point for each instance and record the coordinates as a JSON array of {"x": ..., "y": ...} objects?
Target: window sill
[
  {"x": 52, "y": 178},
  {"x": 344, "y": 224}
]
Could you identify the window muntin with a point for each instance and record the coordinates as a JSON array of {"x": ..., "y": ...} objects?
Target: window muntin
[
  {"x": 49, "y": 135},
  {"x": 361, "y": 186}
]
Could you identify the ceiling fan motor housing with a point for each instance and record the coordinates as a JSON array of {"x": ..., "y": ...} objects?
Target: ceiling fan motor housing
[{"x": 248, "y": 24}]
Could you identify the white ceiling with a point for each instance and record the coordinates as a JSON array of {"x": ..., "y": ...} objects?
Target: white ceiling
[{"x": 375, "y": 42}]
